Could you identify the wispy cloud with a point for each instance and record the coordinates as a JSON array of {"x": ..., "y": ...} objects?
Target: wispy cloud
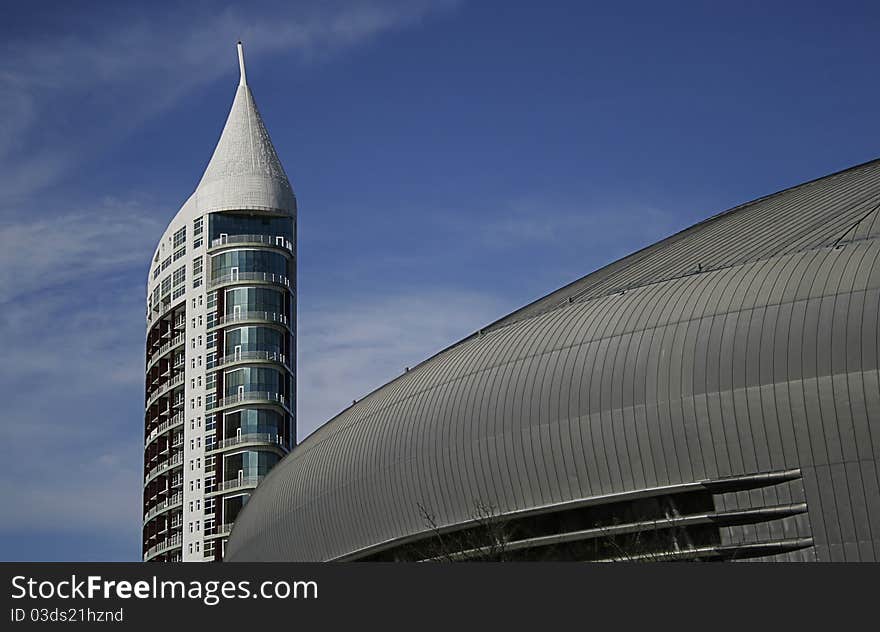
[
  {"x": 72, "y": 372},
  {"x": 83, "y": 494},
  {"x": 538, "y": 223},
  {"x": 105, "y": 73},
  {"x": 353, "y": 345},
  {"x": 72, "y": 283},
  {"x": 107, "y": 239}
]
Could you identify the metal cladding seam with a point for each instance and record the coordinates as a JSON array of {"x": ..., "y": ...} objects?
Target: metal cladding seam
[{"x": 747, "y": 343}]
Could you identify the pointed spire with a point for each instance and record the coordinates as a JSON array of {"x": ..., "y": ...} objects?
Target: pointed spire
[
  {"x": 243, "y": 75},
  {"x": 244, "y": 172}
]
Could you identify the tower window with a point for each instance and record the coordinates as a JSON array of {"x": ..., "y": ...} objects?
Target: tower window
[
  {"x": 180, "y": 237},
  {"x": 179, "y": 275}
]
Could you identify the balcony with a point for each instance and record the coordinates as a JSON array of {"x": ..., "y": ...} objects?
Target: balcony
[
  {"x": 174, "y": 461},
  {"x": 165, "y": 426},
  {"x": 235, "y": 484},
  {"x": 165, "y": 348},
  {"x": 175, "y": 501},
  {"x": 249, "y": 397},
  {"x": 251, "y": 356},
  {"x": 259, "y": 277},
  {"x": 273, "y": 440},
  {"x": 221, "y": 531},
  {"x": 166, "y": 306},
  {"x": 251, "y": 240},
  {"x": 237, "y": 317},
  {"x": 164, "y": 388},
  {"x": 175, "y": 541}
]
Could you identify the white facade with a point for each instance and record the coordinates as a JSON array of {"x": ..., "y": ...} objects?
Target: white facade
[{"x": 220, "y": 350}]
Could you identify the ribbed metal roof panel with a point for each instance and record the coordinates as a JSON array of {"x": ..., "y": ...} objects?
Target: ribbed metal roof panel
[{"x": 747, "y": 343}]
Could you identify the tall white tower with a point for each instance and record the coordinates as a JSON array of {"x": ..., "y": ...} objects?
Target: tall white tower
[{"x": 220, "y": 389}]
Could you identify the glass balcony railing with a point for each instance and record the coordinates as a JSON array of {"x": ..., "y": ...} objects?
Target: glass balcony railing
[
  {"x": 256, "y": 437},
  {"x": 237, "y": 483},
  {"x": 251, "y": 396},
  {"x": 269, "y": 356},
  {"x": 235, "y": 317},
  {"x": 235, "y": 277},
  {"x": 216, "y": 532},
  {"x": 257, "y": 240}
]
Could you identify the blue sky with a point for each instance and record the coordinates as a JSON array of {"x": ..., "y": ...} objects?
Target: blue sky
[{"x": 452, "y": 161}]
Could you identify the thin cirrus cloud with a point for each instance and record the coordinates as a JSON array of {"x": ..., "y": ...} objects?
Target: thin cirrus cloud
[
  {"x": 112, "y": 237},
  {"x": 104, "y": 73},
  {"x": 350, "y": 346},
  {"x": 72, "y": 282},
  {"x": 72, "y": 376}
]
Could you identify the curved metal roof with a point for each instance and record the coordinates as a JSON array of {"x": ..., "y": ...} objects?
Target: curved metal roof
[{"x": 746, "y": 343}]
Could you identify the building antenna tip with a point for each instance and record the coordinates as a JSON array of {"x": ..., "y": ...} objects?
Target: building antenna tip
[{"x": 243, "y": 76}]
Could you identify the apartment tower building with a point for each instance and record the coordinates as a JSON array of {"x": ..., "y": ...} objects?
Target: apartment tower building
[{"x": 220, "y": 365}]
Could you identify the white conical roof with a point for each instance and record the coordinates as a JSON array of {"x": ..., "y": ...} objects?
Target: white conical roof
[{"x": 244, "y": 172}]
